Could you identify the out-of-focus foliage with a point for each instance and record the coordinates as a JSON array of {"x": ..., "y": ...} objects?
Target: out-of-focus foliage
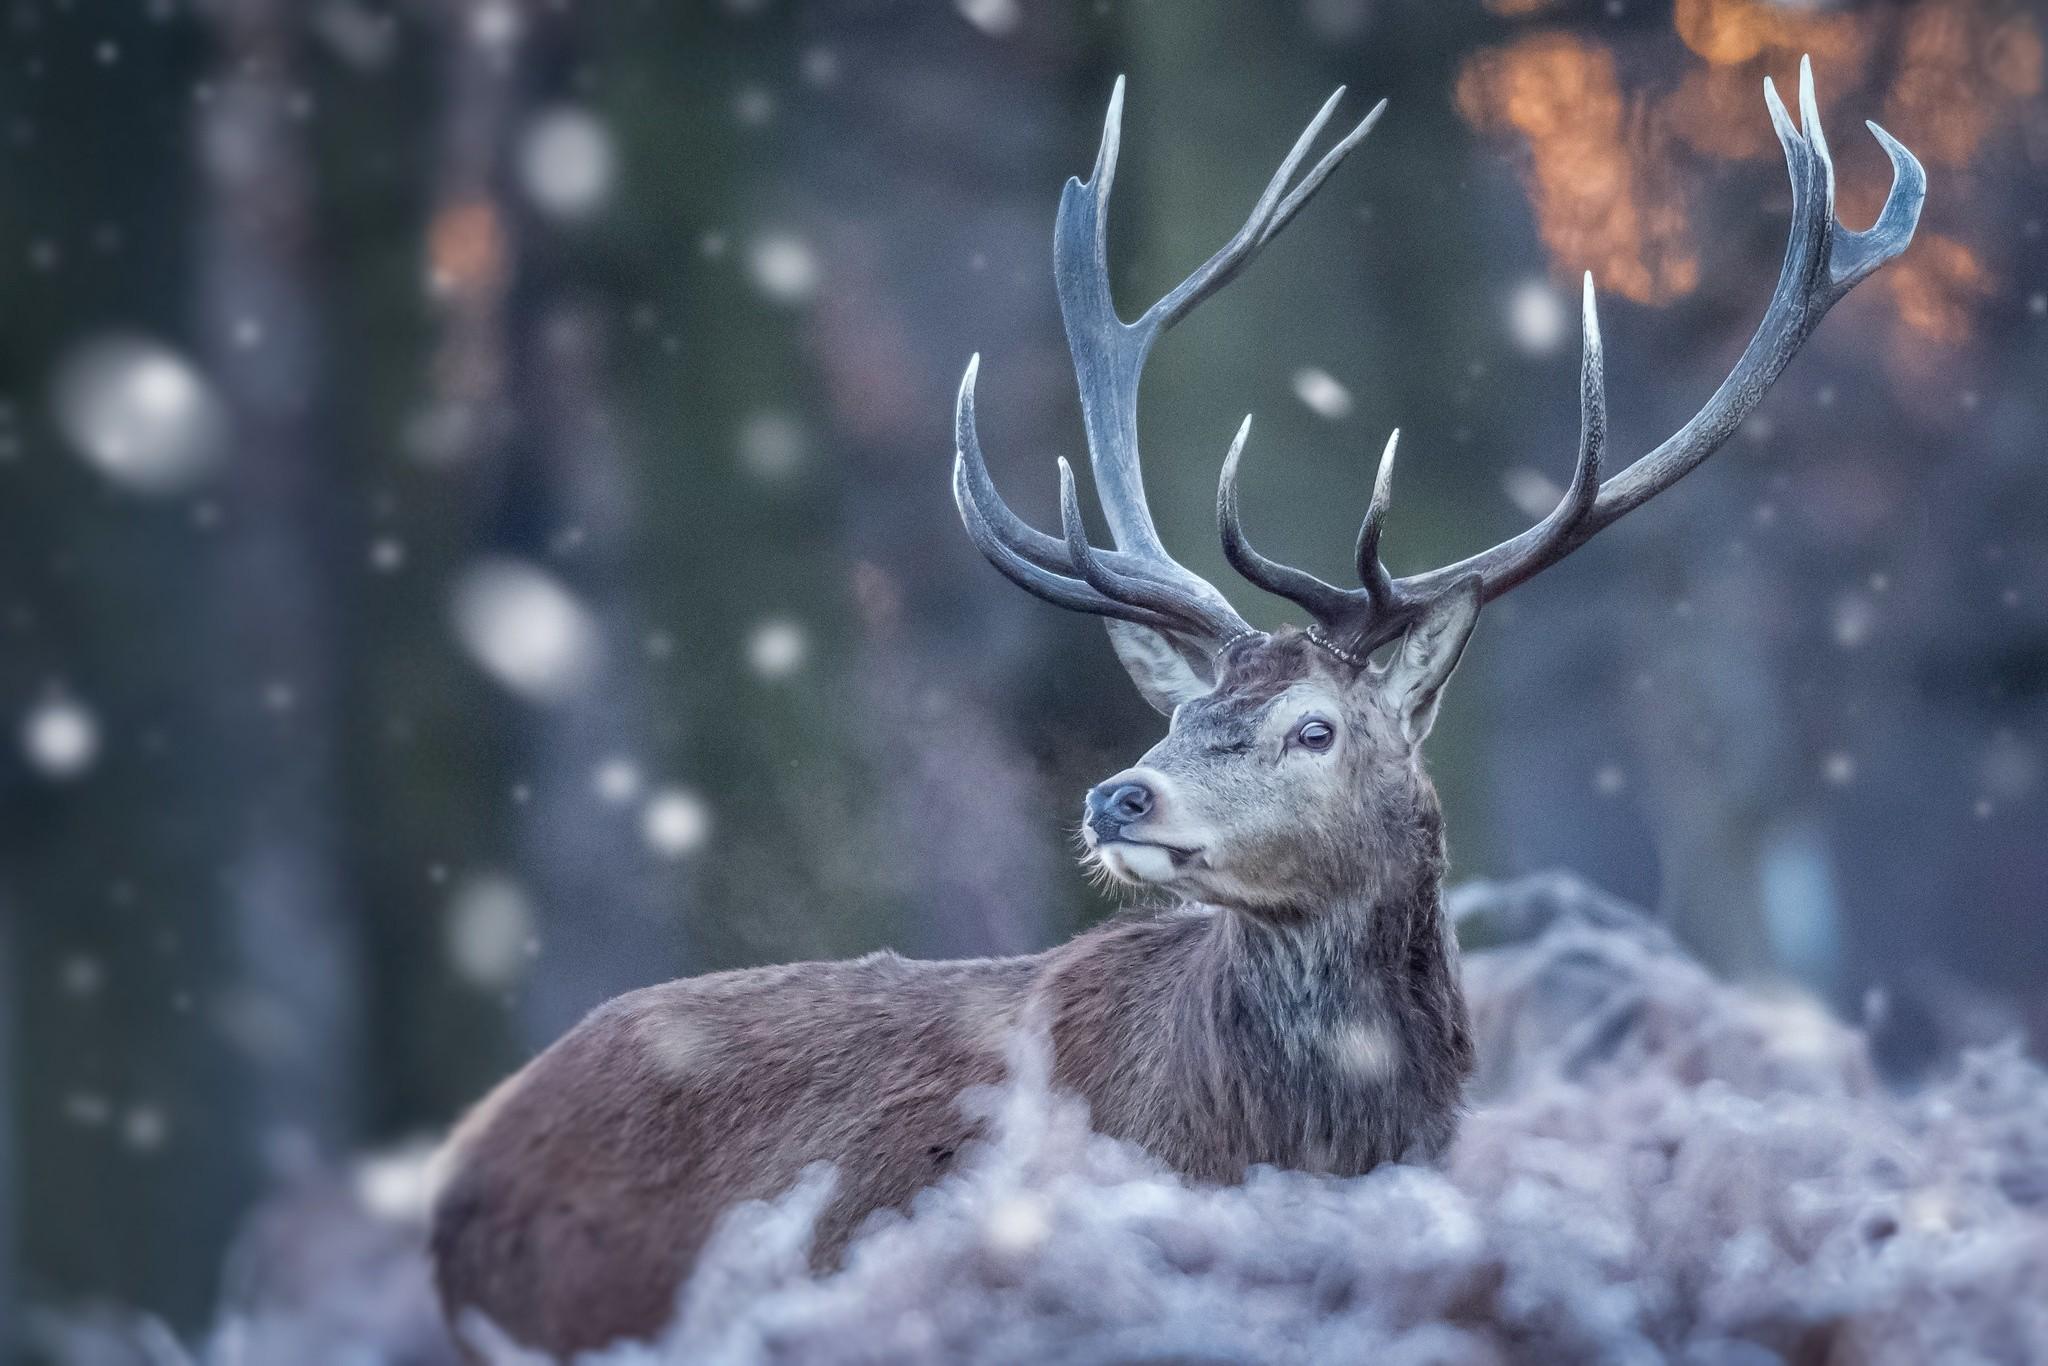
[{"x": 474, "y": 527}]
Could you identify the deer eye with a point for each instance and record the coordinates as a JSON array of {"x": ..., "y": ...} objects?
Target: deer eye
[{"x": 1315, "y": 734}]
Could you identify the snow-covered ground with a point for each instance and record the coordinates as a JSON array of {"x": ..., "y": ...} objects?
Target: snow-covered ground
[{"x": 1656, "y": 1166}]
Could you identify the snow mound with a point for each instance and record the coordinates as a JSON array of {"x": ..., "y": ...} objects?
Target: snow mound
[{"x": 1657, "y": 1166}]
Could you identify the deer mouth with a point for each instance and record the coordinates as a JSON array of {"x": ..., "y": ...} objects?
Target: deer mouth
[{"x": 1145, "y": 860}]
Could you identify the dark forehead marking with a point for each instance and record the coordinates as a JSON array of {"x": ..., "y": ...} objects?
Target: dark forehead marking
[
  {"x": 1258, "y": 671},
  {"x": 1254, "y": 673}
]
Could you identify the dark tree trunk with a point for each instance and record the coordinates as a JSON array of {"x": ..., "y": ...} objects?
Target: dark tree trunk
[
  {"x": 275, "y": 618},
  {"x": 523, "y": 418},
  {"x": 959, "y": 810}
]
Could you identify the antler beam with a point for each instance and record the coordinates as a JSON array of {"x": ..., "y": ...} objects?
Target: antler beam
[
  {"x": 1137, "y": 581},
  {"x": 1823, "y": 261}
]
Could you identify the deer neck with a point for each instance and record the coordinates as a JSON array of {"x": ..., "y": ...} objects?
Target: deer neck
[{"x": 1333, "y": 1038}]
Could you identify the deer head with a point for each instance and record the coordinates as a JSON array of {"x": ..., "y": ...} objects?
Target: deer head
[{"x": 1289, "y": 777}]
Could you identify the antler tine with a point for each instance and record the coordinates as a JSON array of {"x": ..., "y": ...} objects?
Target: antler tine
[
  {"x": 1282, "y": 580},
  {"x": 1049, "y": 552},
  {"x": 1109, "y": 354},
  {"x": 1272, "y": 213},
  {"x": 972, "y": 476},
  {"x": 1109, "y": 357},
  {"x": 1040, "y": 582},
  {"x": 1138, "y": 581},
  {"x": 1371, "y": 572},
  {"x": 1552, "y": 537},
  {"x": 1168, "y": 599},
  {"x": 1048, "y": 567},
  {"x": 1823, "y": 261}
]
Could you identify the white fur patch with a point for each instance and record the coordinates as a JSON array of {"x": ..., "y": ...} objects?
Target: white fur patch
[
  {"x": 1137, "y": 862},
  {"x": 1363, "y": 1050}
]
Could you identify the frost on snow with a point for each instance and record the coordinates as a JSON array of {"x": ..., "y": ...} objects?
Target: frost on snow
[{"x": 1655, "y": 1166}]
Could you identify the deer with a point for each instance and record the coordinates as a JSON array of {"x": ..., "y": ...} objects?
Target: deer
[{"x": 1291, "y": 997}]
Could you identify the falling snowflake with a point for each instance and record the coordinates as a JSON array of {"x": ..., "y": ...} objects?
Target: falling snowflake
[
  {"x": 784, "y": 267},
  {"x": 1533, "y": 492},
  {"x": 525, "y": 629},
  {"x": 83, "y": 976},
  {"x": 566, "y": 162},
  {"x": 772, "y": 445},
  {"x": 675, "y": 822},
  {"x": 61, "y": 738},
  {"x": 496, "y": 24},
  {"x": 139, "y": 413},
  {"x": 144, "y": 1128},
  {"x": 753, "y": 106},
  {"x": 1324, "y": 395},
  {"x": 777, "y": 648},
  {"x": 2009, "y": 768},
  {"x": 996, "y": 18},
  {"x": 489, "y": 928},
  {"x": 1536, "y": 318},
  {"x": 1855, "y": 619},
  {"x": 820, "y": 66},
  {"x": 616, "y": 781}
]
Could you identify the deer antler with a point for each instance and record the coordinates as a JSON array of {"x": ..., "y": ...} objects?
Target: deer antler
[
  {"x": 1138, "y": 581},
  {"x": 1823, "y": 261}
]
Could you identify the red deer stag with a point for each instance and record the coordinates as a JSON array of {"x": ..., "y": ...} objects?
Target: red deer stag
[{"x": 1296, "y": 999}]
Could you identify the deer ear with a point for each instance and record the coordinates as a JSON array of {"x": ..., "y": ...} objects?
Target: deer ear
[
  {"x": 1167, "y": 668},
  {"x": 1414, "y": 678}
]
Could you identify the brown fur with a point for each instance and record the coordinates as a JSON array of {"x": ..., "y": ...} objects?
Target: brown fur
[{"x": 1316, "y": 1025}]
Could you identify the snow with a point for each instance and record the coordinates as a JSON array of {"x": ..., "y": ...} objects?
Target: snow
[
  {"x": 777, "y": 648},
  {"x": 61, "y": 738},
  {"x": 1323, "y": 393},
  {"x": 996, "y": 18},
  {"x": 139, "y": 413},
  {"x": 1534, "y": 493},
  {"x": 1656, "y": 1166},
  {"x": 525, "y": 629},
  {"x": 616, "y": 781},
  {"x": 566, "y": 162},
  {"x": 489, "y": 929},
  {"x": 783, "y": 267},
  {"x": 1536, "y": 317},
  {"x": 772, "y": 445},
  {"x": 675, "y": 822}
]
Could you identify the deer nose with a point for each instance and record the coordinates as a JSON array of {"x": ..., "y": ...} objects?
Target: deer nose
[{"x": 1116, "y": 804}]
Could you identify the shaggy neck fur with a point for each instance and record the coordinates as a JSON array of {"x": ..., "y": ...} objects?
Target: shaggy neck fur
[{"x": 1328, "y": 1040}]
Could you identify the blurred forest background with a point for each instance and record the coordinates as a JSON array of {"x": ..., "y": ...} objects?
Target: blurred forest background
[{"x": 475, "y": 532}]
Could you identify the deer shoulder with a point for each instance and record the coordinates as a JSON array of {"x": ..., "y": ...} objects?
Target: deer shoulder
[{"x": 577, "y": 1195}]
